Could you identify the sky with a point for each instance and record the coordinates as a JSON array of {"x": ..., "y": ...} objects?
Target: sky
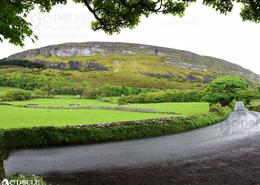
[{"x": 202, "y": 30}]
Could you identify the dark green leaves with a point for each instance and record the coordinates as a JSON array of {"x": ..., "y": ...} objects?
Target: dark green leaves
[
  {"x": 13, "y": 24},
  {"x": 224, "y": 90},
  {"x": 110, "y": 15}
]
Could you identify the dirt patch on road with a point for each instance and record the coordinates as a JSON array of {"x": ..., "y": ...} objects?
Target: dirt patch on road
[{"x": 239, "y": 165}]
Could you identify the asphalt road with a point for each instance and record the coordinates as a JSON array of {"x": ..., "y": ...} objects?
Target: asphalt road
[{"x": 193, "y": 145}]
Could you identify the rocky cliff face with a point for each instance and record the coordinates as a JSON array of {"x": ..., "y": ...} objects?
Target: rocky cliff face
[{"x": 178, "y": 58}]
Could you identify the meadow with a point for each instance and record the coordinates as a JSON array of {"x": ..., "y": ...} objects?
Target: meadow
[
  {"x": 184, "y": 108},
  {"x": 18, "y": 117}
]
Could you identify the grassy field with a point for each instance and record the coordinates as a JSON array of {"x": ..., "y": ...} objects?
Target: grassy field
[
  {"x": 17, "y": 117},
  {"x": 185, "y": 108},
  {"x": 180, "y": 108},
  {"x": 255, "y": 102},
  {"x": 63, "y": 101}
]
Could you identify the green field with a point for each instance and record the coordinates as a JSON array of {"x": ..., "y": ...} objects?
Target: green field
[
  {"x": 186, "y": 108},
  {"x": 62, "y": 101},
  {"x": 18, "y": 117}
]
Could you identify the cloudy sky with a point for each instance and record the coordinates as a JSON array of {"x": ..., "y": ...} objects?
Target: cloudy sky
[{"x": 201, "y": 30}]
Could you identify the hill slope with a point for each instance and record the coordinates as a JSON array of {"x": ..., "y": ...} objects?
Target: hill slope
[{"x": 135, "y": 58}]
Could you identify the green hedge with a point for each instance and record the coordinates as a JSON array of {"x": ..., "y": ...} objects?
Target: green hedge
[
  {"x": 54, "y": 136},
  {"x": 164, "y": 96}
]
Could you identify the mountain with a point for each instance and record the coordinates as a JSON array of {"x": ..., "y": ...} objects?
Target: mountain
[{"x": 142, "y": 59}]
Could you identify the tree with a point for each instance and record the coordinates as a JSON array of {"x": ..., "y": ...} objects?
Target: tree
[
  {"x": 224, "y": 90},
  {"x": 110, "y": 15}
]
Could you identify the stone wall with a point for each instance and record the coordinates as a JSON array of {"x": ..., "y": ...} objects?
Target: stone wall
[
  {"x": 77, "y": 106},
  {"x": 164, "y": 120}
]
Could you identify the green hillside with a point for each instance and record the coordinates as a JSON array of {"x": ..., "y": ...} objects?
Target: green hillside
[{"x": 134, "y": 60}]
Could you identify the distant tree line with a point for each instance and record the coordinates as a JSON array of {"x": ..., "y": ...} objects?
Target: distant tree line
[
  {"x": 61, "y": 85},
  {"x": 224, "y": 90},
  {"x": 164, "y": 96}
]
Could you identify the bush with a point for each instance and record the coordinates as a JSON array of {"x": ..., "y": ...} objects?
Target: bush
[
  {"x": 248, "y": 95},
  {"x": 41, "y": 94},
  {"x": 254, "y": 108},
  {"x": 90, "y": 93},
  {"x": 217, "y": 108},
  {"x": 16, "y": 95},
  {"x": 122, "y": 101}
]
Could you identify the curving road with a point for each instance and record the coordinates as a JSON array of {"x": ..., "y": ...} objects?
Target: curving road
[{"x": 197, "y": 144}]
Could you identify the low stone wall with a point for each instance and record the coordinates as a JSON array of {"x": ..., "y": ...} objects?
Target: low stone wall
[
  {"x": 135, "y": 122},
  {"x": 77, "y": 106}
]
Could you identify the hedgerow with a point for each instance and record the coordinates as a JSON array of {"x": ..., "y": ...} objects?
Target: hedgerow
[
  {"x": 13, "y": 139},
  {"x": 164, "y": 96}
]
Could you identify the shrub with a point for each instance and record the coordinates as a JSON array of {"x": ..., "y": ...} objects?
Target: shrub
[
  {"x": 254, "y": 108},
  {"x": 217, "y": 108},
  {"x": 90, "y": 93},
  {"x": 165, "y": 96},
  {"x": 248, "y": 95},
  {"x": 16, "y": 95},
  {"x": 122, "y": 101},
  {"x": 41, "y": 94}
]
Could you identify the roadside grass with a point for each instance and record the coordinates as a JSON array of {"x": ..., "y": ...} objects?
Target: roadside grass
[{"x": 18, "y": 117}]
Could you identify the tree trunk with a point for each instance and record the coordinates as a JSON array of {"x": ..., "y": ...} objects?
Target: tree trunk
[{"x": 2, "y": 171}]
